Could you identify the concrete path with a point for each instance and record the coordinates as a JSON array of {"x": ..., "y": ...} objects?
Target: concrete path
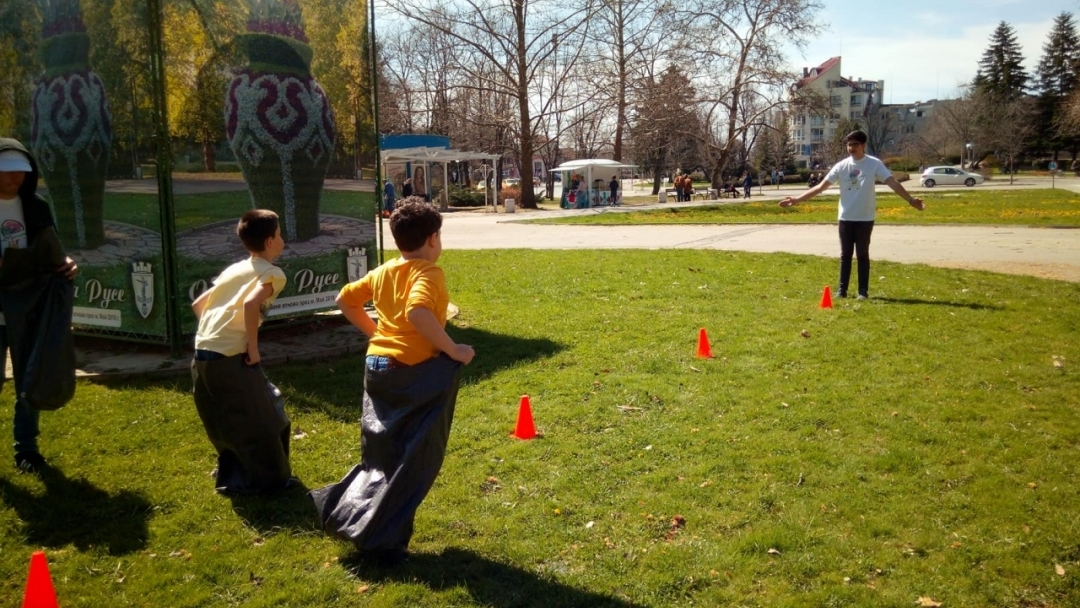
[{"x": 1052, "y": 253}]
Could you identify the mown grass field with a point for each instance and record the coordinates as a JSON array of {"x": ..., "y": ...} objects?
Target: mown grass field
[
  {"x": 1007, "y": 207},
  {"x": 922, "y": 444},
  {"x": 194, "y": 210}
]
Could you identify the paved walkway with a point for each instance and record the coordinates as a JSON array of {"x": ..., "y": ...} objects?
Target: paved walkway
[
  {"x": 1044, "y": 252},
  {"x": 1052, "y": 253}
]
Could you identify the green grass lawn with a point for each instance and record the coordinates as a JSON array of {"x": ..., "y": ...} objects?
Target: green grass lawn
[
  {"x": 1012, "y": 207},
  {"x": 922, "y": 444},
  {"x": 194, "y": 210}
]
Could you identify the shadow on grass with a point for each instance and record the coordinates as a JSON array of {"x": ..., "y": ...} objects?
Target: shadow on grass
[
  {"x": 968, "y": 305},
  {"x": 75, "y": 511},
  {"x": 339, "y": 395},
  {"x": 291, "y": 511},
  {"x": 489, "y": 583},
  {"x": 496, "y": 352}
]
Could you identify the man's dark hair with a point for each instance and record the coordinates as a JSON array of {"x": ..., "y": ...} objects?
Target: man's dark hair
[
  {"x": 413, "y": 221},
  {"x": 856, "y": 136},
  {"x": 255, "y": 227}
]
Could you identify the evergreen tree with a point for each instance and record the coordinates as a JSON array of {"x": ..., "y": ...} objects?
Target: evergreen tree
[
  {"x": 1001, "y": 70},
  {"x": 1057, "y": 71},
  {"x": 1057, "y": 78}
]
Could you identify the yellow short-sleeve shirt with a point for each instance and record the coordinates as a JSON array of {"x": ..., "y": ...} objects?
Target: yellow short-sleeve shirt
[
  {"x": 396, "y": 288},
  {"x": 221, "y": 326}
]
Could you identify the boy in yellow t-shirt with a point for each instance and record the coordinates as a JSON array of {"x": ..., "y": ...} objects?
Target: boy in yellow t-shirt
[
  {"x": 410, "y": 389},
  {"x": 243, "y": 414}
]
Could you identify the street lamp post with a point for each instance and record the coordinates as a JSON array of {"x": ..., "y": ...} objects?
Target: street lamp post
[{"x": 971, "y": 158}]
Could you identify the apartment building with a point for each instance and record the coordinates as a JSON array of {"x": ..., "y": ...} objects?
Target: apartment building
[
  {"x": 847, "y": 97},
  {"x": 906, "y": 122}
]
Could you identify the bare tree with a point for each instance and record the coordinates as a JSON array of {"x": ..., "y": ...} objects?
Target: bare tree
[
  {"x": 878, "y": 122},
  {"x": 628, "y": 31},
  {"x": 501, "y": 46},
  {"x": 735, "y": 48},
  {"x": 1009, "y": 125}
]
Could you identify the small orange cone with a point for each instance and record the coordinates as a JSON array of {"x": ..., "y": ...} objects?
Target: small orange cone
[
  {"x": 703, "y": 349},
  {"x": 826, "y": 298},
  {"x": 525, "y": 427},
  {"x": 39, "y": 587}
]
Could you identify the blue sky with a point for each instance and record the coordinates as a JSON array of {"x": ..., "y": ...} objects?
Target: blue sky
[{"x": 923, "y": 49}]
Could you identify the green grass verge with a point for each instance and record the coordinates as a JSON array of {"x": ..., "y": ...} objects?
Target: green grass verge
[
  {"x": 919, "y": 444},
  {"x": 194, "y": 210},
  {"x": 1014, "y": 207}
]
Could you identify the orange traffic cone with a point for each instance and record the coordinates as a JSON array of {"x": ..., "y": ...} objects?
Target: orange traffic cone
[
  {"x": 826, "y": 298},
  {"x": 704, "y": 351},
  {"x": 525, "y": 427},
  {"x": 39, "y": 586}
]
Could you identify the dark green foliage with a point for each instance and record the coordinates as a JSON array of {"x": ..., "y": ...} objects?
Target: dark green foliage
[
  {"x": 1001, "y": 69},
  {"x": 465, "y": 197}
]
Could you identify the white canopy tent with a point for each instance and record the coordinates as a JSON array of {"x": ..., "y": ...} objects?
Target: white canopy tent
[
  {"x": 590, "y": 167},
  {"x": 443, "y": 156}
]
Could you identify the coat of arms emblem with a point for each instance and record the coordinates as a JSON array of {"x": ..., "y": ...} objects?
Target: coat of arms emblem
[
  {"x": 357, "y": 263},
  {"x": 142, "y": 283}
]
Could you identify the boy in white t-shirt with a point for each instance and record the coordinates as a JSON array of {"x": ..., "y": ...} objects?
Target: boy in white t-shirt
[
  {"x": 856, "y": 176},
  {"x": 23, "y": 216},
  {"x": 243, "y": 413}
]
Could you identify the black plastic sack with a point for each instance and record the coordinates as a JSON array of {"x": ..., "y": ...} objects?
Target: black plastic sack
[
  {"x": 244, "y": 417},
  {"x": 37, "y": 314},
  {"x": 405, "y": 428}
]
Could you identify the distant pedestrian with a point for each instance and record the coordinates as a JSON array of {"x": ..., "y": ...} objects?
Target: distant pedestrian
[
  {"x": 747, "y": 184},
  {"x": 406, "y": 188},
  {"x": 613, "y": 185},
  {"x": 688, "y": 187},
  {"x": 858, "y": 206},
  {"x": 388, "y": 198}
]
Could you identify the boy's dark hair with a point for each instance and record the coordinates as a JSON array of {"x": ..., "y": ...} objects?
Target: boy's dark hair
[
  {"x": 856, "y": 136},
  {"x": 412, "y": 222},
  {"x": 255, "y": 227}
]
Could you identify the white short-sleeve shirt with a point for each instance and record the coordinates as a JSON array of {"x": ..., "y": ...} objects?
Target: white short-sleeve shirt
[{"x": 856, "y": 179}]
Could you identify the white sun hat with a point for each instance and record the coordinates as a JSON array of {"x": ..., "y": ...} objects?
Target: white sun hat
[{"x": 13, "y": 160}]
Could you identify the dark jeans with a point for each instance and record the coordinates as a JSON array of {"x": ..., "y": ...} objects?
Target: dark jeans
[
  {"x": 26, "y": 429},
  {"x": 855, "y": 236}
]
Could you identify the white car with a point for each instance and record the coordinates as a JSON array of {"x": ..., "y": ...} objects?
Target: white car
[{"x": 949, "y": 176}]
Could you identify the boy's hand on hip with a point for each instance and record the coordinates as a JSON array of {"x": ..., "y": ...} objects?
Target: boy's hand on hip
[
  {"x": 462, "y": 353},
  {"x": 69, "y": 269},
  {"x": 252, "y": 357}
]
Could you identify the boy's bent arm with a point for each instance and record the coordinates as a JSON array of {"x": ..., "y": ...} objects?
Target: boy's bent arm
[
  {"x": 429, "y": 327},
  {"x": 252, "y": 305},
  {"x": 357, "y": 316}
]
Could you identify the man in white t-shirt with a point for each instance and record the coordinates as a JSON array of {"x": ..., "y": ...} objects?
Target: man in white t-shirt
[
  {"x": 23, "y": 216},
  {"x": 856, "y": 176}
]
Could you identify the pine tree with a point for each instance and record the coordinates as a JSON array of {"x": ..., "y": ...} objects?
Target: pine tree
[
  {"x": 1057, "y": 78},
  {"x": 1057, "y": 71},
  {"x": 1001, "y": 69}
]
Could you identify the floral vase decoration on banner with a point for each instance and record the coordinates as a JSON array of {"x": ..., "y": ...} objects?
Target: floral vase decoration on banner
[
  {"x": 71, "y": 129},
  {"x": 278, "y": 119}
]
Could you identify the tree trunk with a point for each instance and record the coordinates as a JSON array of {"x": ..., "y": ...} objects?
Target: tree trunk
[{"x": 209, "y": 165}]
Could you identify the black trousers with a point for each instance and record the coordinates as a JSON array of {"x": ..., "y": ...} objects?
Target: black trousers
[{"x": 855, "y": 237}]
